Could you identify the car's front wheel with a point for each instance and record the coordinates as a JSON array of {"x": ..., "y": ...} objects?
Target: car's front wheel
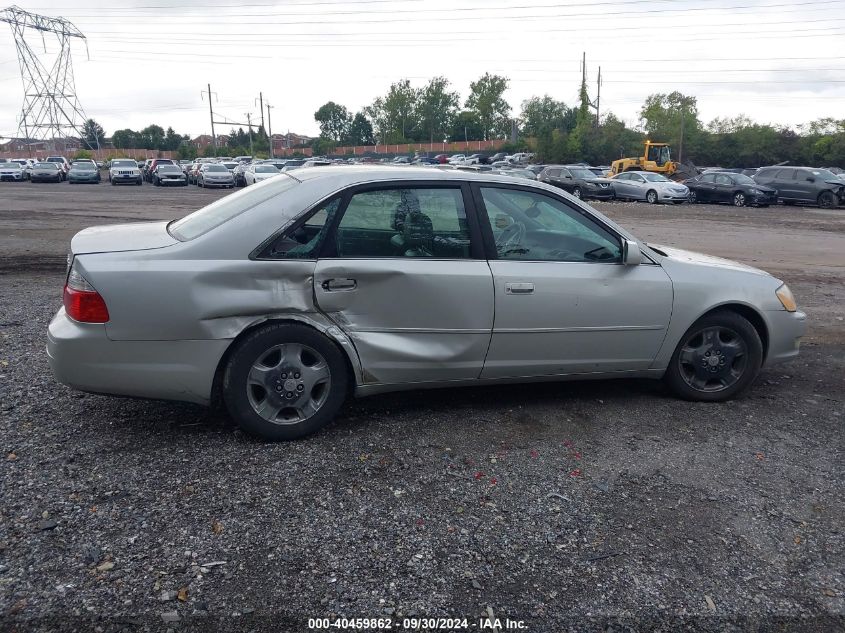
[
  {"x": 718, "y": 357},
  {"x": 739, "y": 199},
  {"x": 285, "y": 381},
  {"x": 651, "y": 196},
  {"x": 577, "y": 192},
  {"x": 827, "y": 200}
]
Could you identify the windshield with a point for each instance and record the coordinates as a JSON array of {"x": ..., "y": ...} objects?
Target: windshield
[
  {"x": 578, "y": 172},
  {"x": 824, "y": 173},
  {"x": 83, "y": 167},
  {"x": 655, "y": 178},
  {"x": 55, "y": 160},
  {"x": 170, "y": 168},
  {"x": 124, "y": 163},
  {"x": 265, "y": 169},
  {"x": 215, "y": 168},
  {"x": 12, "y": 165},
  {"x": 229, "y": 165},
  {"x": 224, "y": 209},
  {"x": 47, "y": 166},
  {"x": 741, "y": 179}
]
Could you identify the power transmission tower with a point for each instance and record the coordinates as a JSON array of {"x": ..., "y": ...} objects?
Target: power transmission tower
[{"x": 51, "y": 109}]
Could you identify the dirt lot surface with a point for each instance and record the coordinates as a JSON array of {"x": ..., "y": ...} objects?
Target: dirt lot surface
[{"x": 570, "y": 507}]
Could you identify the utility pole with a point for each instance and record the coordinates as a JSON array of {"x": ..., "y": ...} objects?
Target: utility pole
[
  {"x": 270, "y": 130},
  {"x": 261, "y": 104},
  {"x": 598, "y": 99},
  {"x": 211, "y": 115},
  {"x": 681, "y": 144},
  {"x": 249, "y": 124}
]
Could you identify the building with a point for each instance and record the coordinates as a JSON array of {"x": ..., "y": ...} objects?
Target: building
[{"x": 204, "y": 140}]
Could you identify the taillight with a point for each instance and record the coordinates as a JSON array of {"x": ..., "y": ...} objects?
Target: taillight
[{"x": 82, "y": 302}]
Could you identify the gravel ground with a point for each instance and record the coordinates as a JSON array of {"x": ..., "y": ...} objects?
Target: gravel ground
[{"x": 569, "y": 507}]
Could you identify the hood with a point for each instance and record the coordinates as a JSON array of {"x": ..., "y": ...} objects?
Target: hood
[
  {"x": 599, "y": 180},
  {"x": 700, "y": 259},
  {"x": 137, "y": 236},
  {"x": 668, "y": 185}
]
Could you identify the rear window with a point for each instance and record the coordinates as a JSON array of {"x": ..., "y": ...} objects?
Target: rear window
[
  {"x": 215, "y": 168},
  {"x": 224, "y": 209}
]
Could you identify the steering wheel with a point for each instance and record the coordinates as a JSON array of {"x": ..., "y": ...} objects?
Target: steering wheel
[{"x": 511, "y": 236}]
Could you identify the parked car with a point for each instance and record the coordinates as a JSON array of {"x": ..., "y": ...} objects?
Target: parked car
[
  {"x": 519, "y": 157},
  {"x": 151, "y": 165},
  {"x": 401, "y": 160},
  {"x": 230, "y": 165},
  {"x": 733, "y": 188},
  {"x": 125, "y": 170},
  {"x": 376, "y": 262},
  {"x": 257, "y": 173},
  {"x": 46, "y": 172},
  {"x": 192, "y": 172},
  {"x": 601, "y": 172},
  {"x": 215, "y": 175},
  {"x": 243, "y": 159},
  {"x": 83, "y": 171},
  {"x": 12, "y": 171},
  {"x": 292, "y": 164},
  {"x": 648, "y": 186},
  {"x": 26, "y": 165},
  {"x": 456, "y": 159},
  {"x": 497, "y": 157},
  {"x": 577, "y": 180},
  {"x": 475, "y": 159},
  {"x": 62, "y": 162},
  {"x": 316, "y": 163},
  {"x": 806, "y": 185},
  {"x": 167, "y": 175},
  {"x": 238, "y": 173}
]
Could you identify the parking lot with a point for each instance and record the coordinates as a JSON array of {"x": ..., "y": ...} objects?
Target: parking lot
[{"x": 561, "y": 505}]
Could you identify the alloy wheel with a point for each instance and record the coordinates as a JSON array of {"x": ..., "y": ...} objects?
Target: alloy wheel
[
  {"x": 651, "y": 196},
  {"x": 288, "y": 383},
  {"x": 713, "y": 359},
  {"x": 739, "y": 199}
]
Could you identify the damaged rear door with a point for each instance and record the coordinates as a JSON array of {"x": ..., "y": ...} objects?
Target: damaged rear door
[{"x": 403, "y": 274}]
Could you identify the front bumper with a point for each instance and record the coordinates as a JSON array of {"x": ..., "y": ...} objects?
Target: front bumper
[
  {"x": 92, "y": 179},
  {"x": 785, "y": 332},
  {"x": 218, "y": 183},
  {"x": 600, "y": 193},
  {"x": 668, "y": 196},
  {"x": 82, "y": 356},
  {"x": 12, "y": 177}
]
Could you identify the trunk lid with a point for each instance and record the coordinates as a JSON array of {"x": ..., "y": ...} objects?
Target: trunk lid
[{"x": 111, "y": 238}]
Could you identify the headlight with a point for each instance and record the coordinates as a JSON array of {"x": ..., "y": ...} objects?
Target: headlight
[
  {"x": 755, "y": 192},
  {"x": 786, "y": 299}
]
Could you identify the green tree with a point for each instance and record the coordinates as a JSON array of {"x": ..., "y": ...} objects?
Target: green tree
[
  {"x": 360, "y": 131},
  {"x": 672, "y": 118},
  {"x": 400, "y": 105},
  {"x": 486, "y": 100},
  {"x": 466, "y": 127},
  {"x": 436, "y": 109},
  {"x": 334, "y": 121},
  {"x": 93, "y": 134},
  {"x": 125, "y": 139},
  {"x": 151, "y": 137},
  {"x": 541, "y": 115}
]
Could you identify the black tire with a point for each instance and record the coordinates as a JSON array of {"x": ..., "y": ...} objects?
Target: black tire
[
  {"x": 113, "y": 183},
  {"x": 826, "y": 200},
  {"x": 140, "y": 182},
  {"x": 651, "y": 197},
  {"x": 247, "y": 352},
  {"x": 735, "y": 332},
  {"x": 692, "y": 198},
  {"x": 577, "y": 192},
  {"x": 739, "y": 199},
  {"x": 199, "y": 184}
]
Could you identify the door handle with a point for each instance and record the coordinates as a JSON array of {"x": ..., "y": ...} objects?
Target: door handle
[
  {"x": 521, "y": 288},
  {"x": 333, "y": 285}
]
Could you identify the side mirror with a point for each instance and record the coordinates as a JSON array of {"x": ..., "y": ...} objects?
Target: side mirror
[{"x": 631, "y": 253}]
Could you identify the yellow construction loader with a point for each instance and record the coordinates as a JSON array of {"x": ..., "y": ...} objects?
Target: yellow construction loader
[{"x": 657, "y": 158}]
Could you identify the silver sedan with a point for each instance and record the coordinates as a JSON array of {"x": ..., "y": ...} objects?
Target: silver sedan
[
  {"x": 288, "y": 296},
  {"x": 648, "y": 186}
]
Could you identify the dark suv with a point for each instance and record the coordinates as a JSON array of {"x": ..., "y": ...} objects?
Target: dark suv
[
  {"x": 578, "y": 180},
  {"x": 809, "y": 185}
]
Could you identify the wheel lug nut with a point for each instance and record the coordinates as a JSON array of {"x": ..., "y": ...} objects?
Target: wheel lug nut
[
  {"x": 296, "y": 376},
  {"x": 278, "y": 387},
  {"x": 300, "y": 387},
  {"x": 284, "y": 376}
]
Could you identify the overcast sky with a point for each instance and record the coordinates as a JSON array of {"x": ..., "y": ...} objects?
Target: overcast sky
[{"x": 776, "y": 61}]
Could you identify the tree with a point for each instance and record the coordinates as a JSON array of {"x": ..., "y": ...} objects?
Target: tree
[
  {"x": 125, "y": 139},
  {"x": 672, "y": 118},
  {"x": 334, "y": 121},
  {"x": 93, "y": 133},
  {"x": 466, "y": 127},
  {"x": 437, "y": 108},
  {"x": 400, "y": 111},
  {"x": 488, "y": 104},
  {"x": 541, "y": 115},
  {"x": 360, "y": 131},
  {"x": 151, "y": 137},
  {"x": 172, "y": 140}
]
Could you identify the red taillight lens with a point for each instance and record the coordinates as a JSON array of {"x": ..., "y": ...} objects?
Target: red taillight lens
[{"x": 82, "y": 302}]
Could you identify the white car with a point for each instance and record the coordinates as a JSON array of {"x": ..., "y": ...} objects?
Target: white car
[
  {"x": 125, "y": 170},
  {"x": 11, "y": 171},
  {"x": 648, "y": 186},
  {"x": 457, "y": 159},
  {"x": 26, "y": 164},
  {"x": 257, "y": 173},
  {"x": 519, "y": 157}
]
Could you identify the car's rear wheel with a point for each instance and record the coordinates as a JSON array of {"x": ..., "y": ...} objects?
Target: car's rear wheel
[
  {"x": 651, "y": 196},
  {"x": 577, "y": 192},
  {"x": 692, "y": 198},
  {"x": 285, "y": 381},
  {"x": 718, "y": 357},
  {"x": 739, "y": 199},
  {"x": 826, "y": 200}
]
